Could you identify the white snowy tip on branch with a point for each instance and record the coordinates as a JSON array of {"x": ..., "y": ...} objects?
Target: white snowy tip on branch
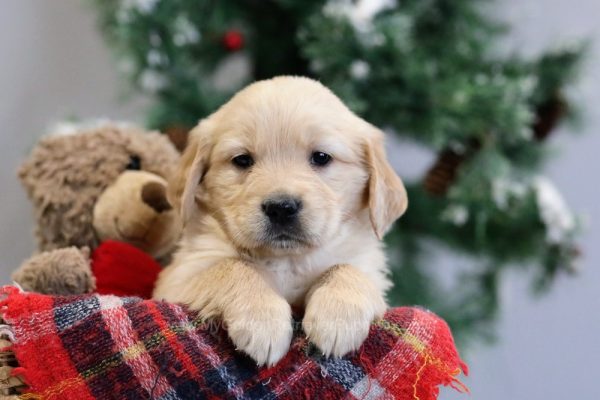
[
  {"x": 456, "y": 214},
  {"x": 143, "y": 6},
  {"x": 185, "y": 32},
  {"x": 360, "y": 69},
  {"x": 68, "y": 128},
  {"x": 152, "y": 80},
  {"x": 359, "y": 12},
  {"x": 555, "y": 214}
]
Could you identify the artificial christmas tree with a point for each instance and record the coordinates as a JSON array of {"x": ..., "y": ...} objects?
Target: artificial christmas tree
[{"x": 423, "y": 69}]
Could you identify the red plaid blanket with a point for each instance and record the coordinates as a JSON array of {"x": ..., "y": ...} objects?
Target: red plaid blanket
[{"x": 107, "y": 347}]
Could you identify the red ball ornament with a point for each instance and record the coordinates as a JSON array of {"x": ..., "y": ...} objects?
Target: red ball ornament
[{"x": 233, "y": 40}]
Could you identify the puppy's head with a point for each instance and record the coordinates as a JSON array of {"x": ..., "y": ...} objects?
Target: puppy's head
[{"x": 284, "y": 166}]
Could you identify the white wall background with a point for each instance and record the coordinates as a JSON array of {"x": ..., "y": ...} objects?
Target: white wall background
[{"x": 53, "y": 65}]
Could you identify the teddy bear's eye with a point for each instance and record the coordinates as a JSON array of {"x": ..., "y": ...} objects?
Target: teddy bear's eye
[{"x": 135, "y": 163}]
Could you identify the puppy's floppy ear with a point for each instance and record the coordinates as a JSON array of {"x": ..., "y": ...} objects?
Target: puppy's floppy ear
[
  {"x": 190, "y": 170},
  {"x": 387, "y": 195}
]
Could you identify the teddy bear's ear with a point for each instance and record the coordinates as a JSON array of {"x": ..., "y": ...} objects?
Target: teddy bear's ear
[{"x": 190, "y": 170}]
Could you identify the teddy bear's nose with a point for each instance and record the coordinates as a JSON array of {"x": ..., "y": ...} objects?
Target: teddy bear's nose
[{"x": 154, "y": 194}]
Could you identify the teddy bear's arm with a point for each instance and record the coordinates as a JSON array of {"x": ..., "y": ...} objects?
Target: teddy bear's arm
[{"x": 59, "y": 272}]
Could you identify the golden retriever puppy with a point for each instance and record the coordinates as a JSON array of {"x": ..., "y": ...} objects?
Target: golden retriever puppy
[{"x": 286, "y": 194}]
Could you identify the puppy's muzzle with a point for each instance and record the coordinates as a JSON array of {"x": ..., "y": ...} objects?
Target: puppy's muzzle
[{"x": 282, "y": 211}]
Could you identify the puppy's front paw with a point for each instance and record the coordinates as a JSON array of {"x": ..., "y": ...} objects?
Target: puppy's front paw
[
  {"x": 338, "y": 322},
  {"x": 261, "y": 327}
]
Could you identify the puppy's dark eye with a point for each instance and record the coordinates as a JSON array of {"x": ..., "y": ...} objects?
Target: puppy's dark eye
[
  {"x": 135, "y": 163},
  {"x": 243, "y": 161},
  {"x": 320, "y": 159}
]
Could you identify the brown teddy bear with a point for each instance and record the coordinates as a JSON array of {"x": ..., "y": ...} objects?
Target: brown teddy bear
[{"x": 98, "y": 183}]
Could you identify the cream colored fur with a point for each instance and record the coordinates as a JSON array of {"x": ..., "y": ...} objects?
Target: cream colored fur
[{"x": 226, "y": 267}]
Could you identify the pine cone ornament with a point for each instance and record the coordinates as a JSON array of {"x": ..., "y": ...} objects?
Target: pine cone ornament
[
  {"x": 443, "y": 173},
  {"x": 549, "y": 114}
]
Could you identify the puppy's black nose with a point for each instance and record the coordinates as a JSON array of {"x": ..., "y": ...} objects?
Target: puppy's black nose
[
  {"x": 154, "y": 194},
  {"x": 282, "y": 210}
]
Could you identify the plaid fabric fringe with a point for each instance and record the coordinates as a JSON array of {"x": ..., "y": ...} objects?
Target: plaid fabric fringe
[{"x": 107, "y": 347}]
